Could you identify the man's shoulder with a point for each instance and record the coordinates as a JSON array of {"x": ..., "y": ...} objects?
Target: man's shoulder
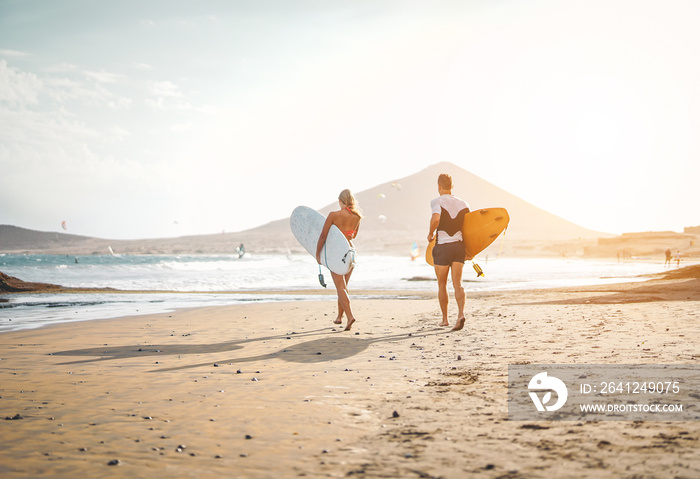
[
  {"x": 435, "y": 205},
  {"x": 452, "y": 200}
]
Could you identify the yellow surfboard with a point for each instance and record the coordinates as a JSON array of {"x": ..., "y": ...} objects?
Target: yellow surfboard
[{"x": 480, "y": 229}]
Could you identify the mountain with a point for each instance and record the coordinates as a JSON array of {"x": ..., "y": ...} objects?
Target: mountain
[
  {"x": 396, "y": 214},
  {"x": 408, "y": 207}
]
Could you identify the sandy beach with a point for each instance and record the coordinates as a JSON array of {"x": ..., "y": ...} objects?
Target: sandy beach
[
  {"x": 278, "y": 390},
  {"x": 165, "y": 309}
]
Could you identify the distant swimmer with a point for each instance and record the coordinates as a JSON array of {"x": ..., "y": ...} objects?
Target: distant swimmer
[
  {"x": 415, "y": 251},
  {"x": 347, "y": 219}
]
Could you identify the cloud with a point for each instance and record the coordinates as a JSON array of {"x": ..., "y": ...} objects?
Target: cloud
[
  {"x": 60, "y": 85},
  {"x": 18, "y": 88},
  {"x": 120, "y": 133},
  {"x": 62, "y": 68},
  {"x": 63, "y": 90},
  {"x": 143, "y": 66},
  {"x": 13, "y": 53},
  {"x": 103, "y": 76},
  {"x": 165, "y": 89},
  {"x": 161, "y": 104},
  {"x": 182, "y": 127},
  {"x": 121, "y": 102},
  {"x": 168, "y": 97},
  {"x": 52, "y": 123}
]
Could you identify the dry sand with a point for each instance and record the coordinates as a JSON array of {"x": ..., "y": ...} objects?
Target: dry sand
[{"x": 276, "y": 390}]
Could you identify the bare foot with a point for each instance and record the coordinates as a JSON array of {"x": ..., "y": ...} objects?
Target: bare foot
[
  {"x": 460, "y": 324},
  {"x": 338, "y": 321},
  {"x": 444, "y": 323},
  {"x": 350, "y": 321}
]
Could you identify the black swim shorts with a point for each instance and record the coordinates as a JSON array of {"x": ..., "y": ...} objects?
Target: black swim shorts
[{"x": 448, "y": 253}]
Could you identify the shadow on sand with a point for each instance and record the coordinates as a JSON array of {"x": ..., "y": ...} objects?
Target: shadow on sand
[{"x": 330, "y": 346}]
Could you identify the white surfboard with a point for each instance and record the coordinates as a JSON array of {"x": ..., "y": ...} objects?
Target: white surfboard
[{"x": 337, "y": 255}]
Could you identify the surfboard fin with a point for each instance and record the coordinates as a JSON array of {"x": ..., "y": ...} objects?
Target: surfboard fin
[
  {"x": 477, "y": 268},
  {"x": 320, "y": 277},
  {"x": 350, "y": 252}
]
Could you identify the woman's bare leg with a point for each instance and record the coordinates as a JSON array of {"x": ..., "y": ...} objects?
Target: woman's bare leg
[
  {"x": 339, "y": 318},
  {"x": 341, "y": 287}
]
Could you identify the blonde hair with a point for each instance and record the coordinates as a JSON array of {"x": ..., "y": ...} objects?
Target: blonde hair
[{"x": 349, "y": 200}]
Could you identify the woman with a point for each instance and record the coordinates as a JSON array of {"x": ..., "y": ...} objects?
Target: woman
[{"x": 347, "y": 219}]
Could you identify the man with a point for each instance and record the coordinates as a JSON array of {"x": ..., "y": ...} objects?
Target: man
[{"x": 448, "y": 254}]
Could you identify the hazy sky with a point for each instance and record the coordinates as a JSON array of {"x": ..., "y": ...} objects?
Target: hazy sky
[{"x": 136, "y": 119}]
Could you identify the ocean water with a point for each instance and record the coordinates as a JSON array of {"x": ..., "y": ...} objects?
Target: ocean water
[{"x": 168, "y": 282}]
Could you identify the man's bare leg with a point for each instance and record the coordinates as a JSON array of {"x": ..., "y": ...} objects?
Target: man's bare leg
[
  {"x": 460, "y": 295},
  {"x": 442, "y": 273}
]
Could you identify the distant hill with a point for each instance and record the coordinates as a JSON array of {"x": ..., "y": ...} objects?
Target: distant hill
[
  {"x": 18, "y": 240},
  {"x": 406, "y": 205},
  {"x": 396, "y": 214}
]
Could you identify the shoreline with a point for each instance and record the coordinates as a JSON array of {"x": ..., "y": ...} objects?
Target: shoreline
[
  {"x": 395, "y": 397},
  {"x": 14, "y": 285},
  {"x": 79, "y": 304}
]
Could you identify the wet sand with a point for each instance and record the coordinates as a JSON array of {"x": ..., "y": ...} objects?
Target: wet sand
[{"x": 278, "y": 390}]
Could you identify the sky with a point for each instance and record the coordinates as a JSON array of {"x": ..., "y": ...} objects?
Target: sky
[{"x": 164, "y": 118}]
